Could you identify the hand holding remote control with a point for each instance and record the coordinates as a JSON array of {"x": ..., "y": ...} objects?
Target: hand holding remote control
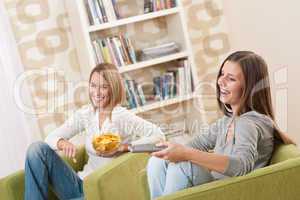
[
  {"x": 146, "y": 148},
  {"x": 174, "y": 153}
]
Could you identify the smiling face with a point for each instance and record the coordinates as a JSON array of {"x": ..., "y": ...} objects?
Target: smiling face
[
  {"x": 231, "y": 84},
  {"x": 99, "y": 90}
]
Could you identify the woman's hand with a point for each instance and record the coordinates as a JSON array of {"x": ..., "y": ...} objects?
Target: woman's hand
[
  {"x": 174, "y": 152},
  {"x": 121, "y": 149},
  {"x": 67, "y": 148}
]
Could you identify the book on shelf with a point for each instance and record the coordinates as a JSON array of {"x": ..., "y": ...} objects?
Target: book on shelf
[
  {"x": 92, "y": 12},
  {"x": 163, "y": 86},
  {"x": 102, "y": 11},
  {"x": 148, "y": 6},
  {"x": 116, "y": 8},
  {"x": 174, "y": 131},
  {"x": 115, "y": 49},
  {"x": 110, "y": 11},
  {"x": 135, "y": 95},
  {"x": 129, "y": 96},
  {"x": 185, "y": 81},
  {"x": 175, "y": 81},
  {"x": 168, "y": 83},
  {"x": 141, "y": 94},
  {"x": 159, "y": 50},
  {"x": 157, "y": 88},
  {"x": 157, "y": 5}
]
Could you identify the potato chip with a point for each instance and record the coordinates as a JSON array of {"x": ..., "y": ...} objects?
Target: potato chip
[{"x": 106, "y": 142}]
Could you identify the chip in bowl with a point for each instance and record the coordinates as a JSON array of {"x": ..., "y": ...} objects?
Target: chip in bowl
[{"x": 106, "y": 142}]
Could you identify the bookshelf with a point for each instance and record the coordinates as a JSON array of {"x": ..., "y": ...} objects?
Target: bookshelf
[
  {"x": 153, "y": 62},
  {"x": 86, "y": 33},
  {"x": 134, "y": 19},
  {"x": 160, "y": 104}
]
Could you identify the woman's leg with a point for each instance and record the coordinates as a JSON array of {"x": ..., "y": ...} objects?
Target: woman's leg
[
  {"x": 183, "y": 175},
  {"x": 166, "y": 178},
  {"x": 156, "y": 175},
  {"x": 43, "y": 165}
]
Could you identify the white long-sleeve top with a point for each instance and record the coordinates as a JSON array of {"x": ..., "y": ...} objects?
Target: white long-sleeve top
[{"x": 131, "y": 128}]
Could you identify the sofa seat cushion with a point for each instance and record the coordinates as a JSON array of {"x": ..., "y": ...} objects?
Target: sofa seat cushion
[{"x": 284, "y": 152}]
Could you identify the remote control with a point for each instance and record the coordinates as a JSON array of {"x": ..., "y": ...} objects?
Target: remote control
[{"x": 141, "y": 148}]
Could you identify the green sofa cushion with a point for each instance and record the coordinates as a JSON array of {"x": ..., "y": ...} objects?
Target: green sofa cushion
[
  {"x": 276, "y": 182},
  {"x": 118, "y": 180},
  {"x": 270, "y": 182},
  {"x": 283, "y": 152}
]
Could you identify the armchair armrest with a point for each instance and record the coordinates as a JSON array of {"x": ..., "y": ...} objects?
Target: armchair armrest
[
  {"x": 81, "y": 159},
  {"x": 278, "y": 181},
  {"x": 144, "y": 184},
  {"x": 117, "y": 180},
  {"x": 12, "y": 186}
]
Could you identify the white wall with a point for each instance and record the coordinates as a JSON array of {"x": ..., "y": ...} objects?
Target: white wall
[{"x": 272, "y": 29}]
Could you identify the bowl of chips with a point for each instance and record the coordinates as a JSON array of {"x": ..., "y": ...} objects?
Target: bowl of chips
[{"x": 106, "y": 142}]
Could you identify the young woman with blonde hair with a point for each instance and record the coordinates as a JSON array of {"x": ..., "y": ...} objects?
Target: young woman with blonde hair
[
  {"x": 104, "y": 115},
  {"x": 242, "y": 140}
]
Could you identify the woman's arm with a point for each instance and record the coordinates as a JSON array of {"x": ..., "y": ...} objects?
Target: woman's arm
[
  {"x": 178, "y": 152},
  {"x": 67, "y": 130},
  {"x": 206, "y": 141},
  {"x": 139, "y": 130},
  {"x": 211, "y": 161},
  {"x": 196, "y": 149},
  {"x": 239, "y": 162}
]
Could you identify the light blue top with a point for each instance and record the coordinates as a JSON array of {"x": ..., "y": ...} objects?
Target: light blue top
[{"x": 250, "y": 148}]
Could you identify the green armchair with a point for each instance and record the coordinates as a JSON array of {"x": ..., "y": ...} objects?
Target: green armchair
[
  {"x": 280, "y": 180},
  {"x": 125, "y": 179},
  {"x": 118, "y": 180}
]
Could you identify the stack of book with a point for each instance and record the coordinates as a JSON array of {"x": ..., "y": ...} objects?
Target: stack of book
[
  {"x": 160, "y": 50},
  {"x": 102, "y": 11},
  {"x": 116, "y": 49},
  {"x": 135, "y": 94},
  {"x": 176, "y": 81},
  {"x": 156, "y": 5}
]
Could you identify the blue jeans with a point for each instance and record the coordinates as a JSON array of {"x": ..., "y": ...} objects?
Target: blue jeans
[
  {"x": 43, "y": 166},
  {"x": 166, "y": 177}
]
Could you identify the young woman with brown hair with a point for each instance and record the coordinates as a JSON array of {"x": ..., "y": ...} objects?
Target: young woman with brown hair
[
  {"x": 242, "y": 140},
  {"x": 104, "y": 115}
]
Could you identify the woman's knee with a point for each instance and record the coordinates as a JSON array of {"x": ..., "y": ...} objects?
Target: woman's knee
[
  {"x": 155, "y": 165},
  {"x": 197, "y": 174},
  {"x": 37, "y": 149}
]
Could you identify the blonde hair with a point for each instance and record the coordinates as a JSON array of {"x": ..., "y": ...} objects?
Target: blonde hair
[{"x": 116, "y": 86}]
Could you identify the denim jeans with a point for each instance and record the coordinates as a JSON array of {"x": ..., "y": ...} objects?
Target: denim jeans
[
  {"x": 166, "y": 177},
  {"x": 43, "y": 166}
]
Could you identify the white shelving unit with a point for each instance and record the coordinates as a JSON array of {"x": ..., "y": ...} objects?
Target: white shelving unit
[
  {"x": 155, "y": 61},
  {"x": 130, "y": 20},
  {"x": 176, "y": 26},
  {"x": 160, "y": 104}
]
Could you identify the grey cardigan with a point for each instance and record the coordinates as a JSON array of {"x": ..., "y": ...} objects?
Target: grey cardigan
[{"x": 250, "y": 148}]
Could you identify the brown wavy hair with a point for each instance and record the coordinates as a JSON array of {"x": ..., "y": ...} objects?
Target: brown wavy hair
[{"x": 256, "y": 95}]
